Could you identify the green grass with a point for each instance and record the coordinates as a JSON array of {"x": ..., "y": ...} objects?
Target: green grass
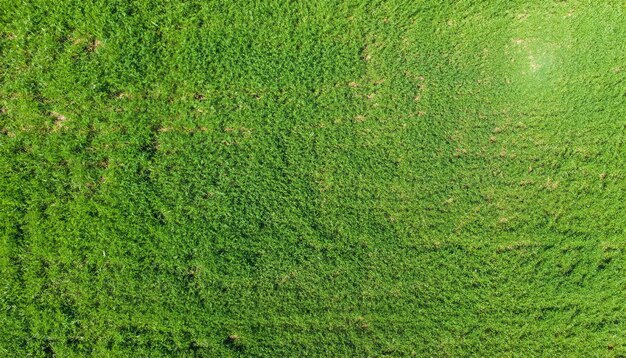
[{"x": 312, "y": 178}]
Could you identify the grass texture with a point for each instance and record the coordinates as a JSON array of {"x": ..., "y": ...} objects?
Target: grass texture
[{"x": 312, "y": 178}]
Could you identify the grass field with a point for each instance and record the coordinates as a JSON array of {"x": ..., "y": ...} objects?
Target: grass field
[{"x": 312, "y": 178}]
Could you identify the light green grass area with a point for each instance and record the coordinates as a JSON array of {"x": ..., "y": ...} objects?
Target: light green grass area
[{"x": 312, "y": 178}]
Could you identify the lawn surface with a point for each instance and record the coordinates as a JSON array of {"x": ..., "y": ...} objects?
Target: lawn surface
[{"x": 312, "y": 178}]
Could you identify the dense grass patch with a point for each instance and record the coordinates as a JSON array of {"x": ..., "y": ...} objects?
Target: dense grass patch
[{"x": 276, "y": 178}]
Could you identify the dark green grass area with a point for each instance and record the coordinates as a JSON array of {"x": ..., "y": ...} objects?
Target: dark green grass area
[{"x": 317, "y": 178}]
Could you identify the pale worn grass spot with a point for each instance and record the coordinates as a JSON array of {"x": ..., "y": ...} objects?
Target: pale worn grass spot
[
  {"x": 59, "y": 120},
  {"x": 551, "y": 184},
  {"x": 94, "y": 45}
]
